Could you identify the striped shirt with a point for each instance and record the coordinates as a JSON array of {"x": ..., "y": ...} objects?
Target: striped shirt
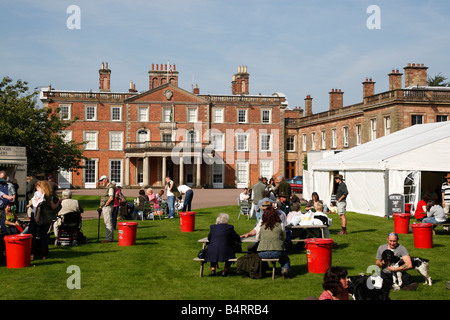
[{"x": 446, "y": 191}]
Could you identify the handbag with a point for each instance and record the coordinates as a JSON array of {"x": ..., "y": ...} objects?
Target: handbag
[{"x": 202, "y": 253}]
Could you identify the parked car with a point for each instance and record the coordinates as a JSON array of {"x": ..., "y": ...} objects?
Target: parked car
[{"x": 296, "y": 184}]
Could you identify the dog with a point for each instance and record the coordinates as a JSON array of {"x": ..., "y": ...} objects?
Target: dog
[
  {"x": 420, "y": 264},
  {"x": 364, "y": 287}
]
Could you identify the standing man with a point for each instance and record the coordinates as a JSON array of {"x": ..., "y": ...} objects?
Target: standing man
[
  {"x": 341, "y": 198},
  {"x": 188, "y": 196},
  {"x": 257, "y": 194},
  {"x": 106, "y": 205},
  {"x": 31, "y": 186},
  {"x": 446, "y": 194},
  {"x": 172, "y": 192}
]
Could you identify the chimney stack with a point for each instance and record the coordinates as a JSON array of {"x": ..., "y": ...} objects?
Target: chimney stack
[
  {"x": 415, "y": 75},
  {"x": 368, "y": 88},
  {"x": 240, "y": 82},
  {"x": 308, "y": 105},
  {"x": 395, "y": 80},
  {"x": 105, "y": 78},
  {"x": 161, "y": 74},
  {"x": 196, "y": 90},
  {"x": 336, "y": 99}
]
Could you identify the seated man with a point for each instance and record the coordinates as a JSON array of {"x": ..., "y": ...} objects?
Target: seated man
[
  {"x": 401, "y": 252},
  {"x": 244, "y": 196},
  {"x": 67, "y": 205}
]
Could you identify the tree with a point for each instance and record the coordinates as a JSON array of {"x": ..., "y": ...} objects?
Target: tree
[
  {"x": 438, "y": 81},
  {"x": 24, "y": 123}
]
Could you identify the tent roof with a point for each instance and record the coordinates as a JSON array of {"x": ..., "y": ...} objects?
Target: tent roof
[{"x": 402, "y": 149}]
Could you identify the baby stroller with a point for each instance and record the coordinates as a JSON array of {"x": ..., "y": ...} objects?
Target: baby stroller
[{"x": 69, "y": 233}]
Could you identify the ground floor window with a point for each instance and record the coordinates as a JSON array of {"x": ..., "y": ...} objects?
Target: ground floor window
[{"x": 115, "y": 167}]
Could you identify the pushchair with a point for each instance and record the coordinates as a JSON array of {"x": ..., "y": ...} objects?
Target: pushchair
[{"x": 69, "y": 233}]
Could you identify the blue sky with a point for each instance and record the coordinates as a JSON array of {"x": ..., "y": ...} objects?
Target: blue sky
[{"x": 295, "y": 47}]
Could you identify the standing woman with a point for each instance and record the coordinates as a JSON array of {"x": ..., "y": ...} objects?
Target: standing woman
[
  {"x": 41, "y": 220},
  {"x": 271, "y": 238},
  {"x": 221, "y": 239}
]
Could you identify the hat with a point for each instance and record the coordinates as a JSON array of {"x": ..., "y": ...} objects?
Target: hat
[
  {"x": 448, "y": 175},
  {"x": 266, "y": 204},
  {"x": 103, "y": 177},
  {"x": 339, "y": 176}
]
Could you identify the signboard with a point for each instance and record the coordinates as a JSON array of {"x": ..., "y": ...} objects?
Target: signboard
[{"x": 396, "y": 204}]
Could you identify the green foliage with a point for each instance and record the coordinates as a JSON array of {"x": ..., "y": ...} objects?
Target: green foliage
[
  {"x": 438, "y": 81},
  {"x": 25, "y": 124}
]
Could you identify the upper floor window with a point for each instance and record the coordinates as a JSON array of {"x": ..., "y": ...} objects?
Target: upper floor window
[
  {"x": 192, "y": 114},
  {"x": 290, "y": 143},
  {"x": 167, "y": 115},
  {"x": 242, "y": 115},
  {"x": 142, "y": 114},
  {"x": 91, "y": 112},
  {"x": 387, "y": 125},
  {"x": 345, "y": 136},
  {"x": 266, "y": 116},
  {"x": 358, "y": 134},
  {"x": 116, "y": 113},
  {"x": 416, "y": 119},
  {"x": 65, "y": 111},
  {"x": 441, "y": 118},
  {"x": 218, "y": 115},
  {"x": 373, "y": 129}
]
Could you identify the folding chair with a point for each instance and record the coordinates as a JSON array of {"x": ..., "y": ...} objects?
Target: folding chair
[
  {"x": 244, "y": 208},
  {"x": 161, "y": 211},
  {"x": 147, "y": 211}
]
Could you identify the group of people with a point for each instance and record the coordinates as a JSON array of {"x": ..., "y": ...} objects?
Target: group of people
[
  {"x": 113, "y": 198},
  {"x": 433, "y": 207}
]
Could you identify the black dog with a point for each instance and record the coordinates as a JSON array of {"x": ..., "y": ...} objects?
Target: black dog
[
  {"x": 420, "y": 264},
  {"x": 365, "y": 287}
]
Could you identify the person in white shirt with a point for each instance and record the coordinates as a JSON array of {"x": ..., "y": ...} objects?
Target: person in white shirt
[
  {"x": 188, "y": 196},
  {"x": 244, "y": 195}
]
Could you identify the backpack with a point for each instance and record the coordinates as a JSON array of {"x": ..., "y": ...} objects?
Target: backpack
[{"x": 250, "y": 263}]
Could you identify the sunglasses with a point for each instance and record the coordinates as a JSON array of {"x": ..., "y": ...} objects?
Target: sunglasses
[{"x": 392, "y": 234}]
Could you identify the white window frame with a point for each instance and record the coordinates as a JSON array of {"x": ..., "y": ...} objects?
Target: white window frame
[
  {"x": 192, "y": 114},
  {"x": 142, "y": 114},
  {"x": 68, "y": 114},
  {"x": 245, "y": 115},
  {"x": 345, "y": 136},
  {"x": 91, "y": 184},
  {"x": 267, "y": 145},
  {"x": 113, "y": 178},
  {"x": 304, "y": 142},
  {"x": 263, "y": 165},
  {"x": 387, "y": 125},
  {"x": 333, "y": 138},
  {"x": 323, "y": 140},
  {"x": 313, "y": 140},
  {"x": 288, "y": 143},
  {"x": 114, "y": 143},
  {"x": 238, "y": 136},
  {"x": 166, "y": 114},
  {"x": 113, "y": 108},
  {"x": 92, "y": 144},
  {"x": 86, "y": 113},
  {"x": 373, "y": 129},
  {"x": 358, "y": 134},
  {"x": 218, "y": 145},
  {"x": 269, "y": 120},
  {"x": 139, "y": 136},
  {"x": 218, "y": 115},
  {"x": 245, "y": 165}
]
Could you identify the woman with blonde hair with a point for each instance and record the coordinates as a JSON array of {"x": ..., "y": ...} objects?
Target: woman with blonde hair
[{"x": 41, "y": 218}]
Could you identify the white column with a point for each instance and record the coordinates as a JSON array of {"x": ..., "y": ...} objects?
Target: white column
[
  {"x": 198, "y": 172},
  {"x": 145, "y": 172},
  {"x": 127, "y": 171},
  {"x": 163, "y": 174},
  {"x": 181, "y": 171}
]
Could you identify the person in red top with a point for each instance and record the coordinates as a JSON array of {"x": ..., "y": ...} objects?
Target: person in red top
[
  {"x": 421, "y": 210},
  {"x": 335, "y": 284}
]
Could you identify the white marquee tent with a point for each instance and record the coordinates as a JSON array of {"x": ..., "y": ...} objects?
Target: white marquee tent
[{"x": 376, "y": 169}]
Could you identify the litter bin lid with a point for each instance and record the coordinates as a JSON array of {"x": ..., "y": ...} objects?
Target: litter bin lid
[
  {"x": 319, "y": 241},
  {"x": 187, "y": 213},
  {"x": 127, "y": 223},
  {"x": 18, "y": 236},
  {"x": 422, "y": 225},
  {"x": 403, "y": 215}
]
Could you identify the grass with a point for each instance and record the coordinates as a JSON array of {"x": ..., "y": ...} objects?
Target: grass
[{"x": 160, "y": 266}]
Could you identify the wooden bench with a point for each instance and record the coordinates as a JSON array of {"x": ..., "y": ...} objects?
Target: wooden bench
[
  {"x": 273, "y": 261},
  {"x": 293, "y": 228}
]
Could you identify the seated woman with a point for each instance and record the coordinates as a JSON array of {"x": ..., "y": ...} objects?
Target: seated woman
[
  {"x": 314, "y": 199},
  {"x": 271, "y": 238},
  {"x": 435, "y": 213},
  {"x": 421, "y": 210},
  {"x": 335, "y": 284},
  {"x": 11, "y": 223},
  {"x": 222, "y": 238}
]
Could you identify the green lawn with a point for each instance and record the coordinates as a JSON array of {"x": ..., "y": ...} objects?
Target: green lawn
[{"x": 160, "y": 265}]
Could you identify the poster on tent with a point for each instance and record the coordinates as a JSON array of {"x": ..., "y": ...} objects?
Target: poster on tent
[{"x": 396, "y": 204}]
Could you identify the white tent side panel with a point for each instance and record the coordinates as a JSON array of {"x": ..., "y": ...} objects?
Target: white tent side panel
[{"x": 366, "y": 192}]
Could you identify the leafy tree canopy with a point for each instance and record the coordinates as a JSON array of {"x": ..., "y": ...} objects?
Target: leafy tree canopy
[
  {"x": 438, "y": 81},
  {"x": 23, "y": 123}
]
